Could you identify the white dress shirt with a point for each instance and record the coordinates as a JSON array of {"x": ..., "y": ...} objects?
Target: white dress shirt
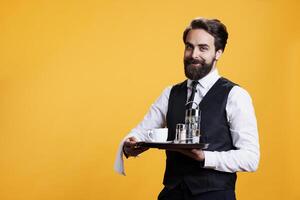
[{"x": 241, "y": 119}]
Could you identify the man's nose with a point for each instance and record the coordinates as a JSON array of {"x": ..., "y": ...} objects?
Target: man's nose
[{"x": 196, "y": 53}]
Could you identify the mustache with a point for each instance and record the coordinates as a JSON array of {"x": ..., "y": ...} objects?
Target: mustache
[{"x": 194, "y": 61}]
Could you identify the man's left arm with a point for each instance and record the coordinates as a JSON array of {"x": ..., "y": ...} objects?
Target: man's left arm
[{"x": 243, "y": 128}]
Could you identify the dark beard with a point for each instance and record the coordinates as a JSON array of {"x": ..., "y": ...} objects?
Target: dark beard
[{"x": 196, "y": 73}]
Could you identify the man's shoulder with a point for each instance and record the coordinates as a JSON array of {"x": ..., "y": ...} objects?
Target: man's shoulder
[
  {"x": 180, "y": 85},
  {"x": 226, "y": 82},
  {"x": 239, "y": 94},
  {"x": 236, "y": 88},
  {"x": 236, "y": 91}
]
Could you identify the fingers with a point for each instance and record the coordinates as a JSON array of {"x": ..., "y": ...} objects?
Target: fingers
[
  {"x": 193, "y": 153},
  {"x": 135, "y": 151},
  {"x": 138, "y": 151},
  {"x": 199, "y": 154},
  {"x": 130, "y": 142},
  {"x": 188, "y": 153},
  {"x": 132, "y": 139},
  {"x": 130, "y": 147}
]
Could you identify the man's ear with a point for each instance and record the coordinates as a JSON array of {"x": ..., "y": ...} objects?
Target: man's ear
[{"x": 218, "y": 54}]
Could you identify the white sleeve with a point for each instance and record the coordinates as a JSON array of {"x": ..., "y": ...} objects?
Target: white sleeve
[
  {"x": 155, "y": 118},
  {"x": 243, "y": 128}
]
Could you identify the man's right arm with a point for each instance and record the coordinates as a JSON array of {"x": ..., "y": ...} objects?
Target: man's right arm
[{"x": 155, "y": 118}]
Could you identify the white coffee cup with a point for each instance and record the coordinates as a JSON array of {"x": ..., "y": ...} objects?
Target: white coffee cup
[{"x": 158, "y": 135}]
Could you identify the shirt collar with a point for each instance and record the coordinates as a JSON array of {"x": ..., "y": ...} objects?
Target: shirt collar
[{"x": 208, "y": 80}]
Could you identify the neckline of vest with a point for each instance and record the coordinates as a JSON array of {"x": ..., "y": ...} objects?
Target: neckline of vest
[{"x": 210, "y": 91}]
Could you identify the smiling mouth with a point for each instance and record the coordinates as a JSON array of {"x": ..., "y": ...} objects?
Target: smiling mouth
[{"x": 195, "y": 64}]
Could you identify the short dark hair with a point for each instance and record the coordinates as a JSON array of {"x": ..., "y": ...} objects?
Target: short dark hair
[{"x": 213, "y": 26}]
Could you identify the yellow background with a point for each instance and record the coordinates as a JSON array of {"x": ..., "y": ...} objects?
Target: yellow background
[{"x": 76, "y": 76}]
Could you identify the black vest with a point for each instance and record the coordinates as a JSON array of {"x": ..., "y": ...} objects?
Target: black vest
[{"x": 214, "y": 130}]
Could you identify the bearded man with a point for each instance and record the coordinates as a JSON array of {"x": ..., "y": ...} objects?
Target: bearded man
[{"x": 228, "y": 122}]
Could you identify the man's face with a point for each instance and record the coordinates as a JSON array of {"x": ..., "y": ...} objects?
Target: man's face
[{"x": 199, "y": 54}]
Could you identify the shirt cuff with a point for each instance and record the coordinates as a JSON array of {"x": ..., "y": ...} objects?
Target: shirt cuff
[{"x": 210, "y": 160}]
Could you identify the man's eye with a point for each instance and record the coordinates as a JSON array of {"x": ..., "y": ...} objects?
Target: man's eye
[
  {"x": 188, "y": 47},
  {"x": 203, "y": 49}
]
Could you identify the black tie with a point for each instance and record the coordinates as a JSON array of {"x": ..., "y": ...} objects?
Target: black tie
[{"x": 194, "y": 90}]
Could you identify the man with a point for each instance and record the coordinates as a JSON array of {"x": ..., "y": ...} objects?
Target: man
[{"x": 228, "y": 122}]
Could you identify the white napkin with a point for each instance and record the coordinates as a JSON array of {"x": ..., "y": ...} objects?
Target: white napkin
[{"x": 119, "y": 161}]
